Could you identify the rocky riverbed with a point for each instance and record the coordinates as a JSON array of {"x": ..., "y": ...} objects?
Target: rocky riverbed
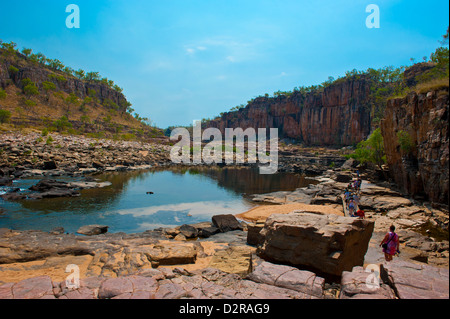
[{"x": 216, "y": 259}]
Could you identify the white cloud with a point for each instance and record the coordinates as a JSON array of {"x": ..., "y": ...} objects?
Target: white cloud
[
  {"x": 227, "y": 48},
  {"x": 231, "y": 59},
  {"x": 194, "y": 209},
  {"x": 190, "y": 51}
]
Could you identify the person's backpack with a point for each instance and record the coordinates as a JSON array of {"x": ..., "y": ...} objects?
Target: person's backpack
[{"x": 385, "y": 246}]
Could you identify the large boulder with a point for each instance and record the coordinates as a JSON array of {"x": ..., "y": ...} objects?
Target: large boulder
[{"x": 330, "y": 244}]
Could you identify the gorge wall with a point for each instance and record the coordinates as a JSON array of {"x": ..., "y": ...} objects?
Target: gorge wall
[
  {"x": 337, "y": 116},
  {"x": 423, "y": 170}
]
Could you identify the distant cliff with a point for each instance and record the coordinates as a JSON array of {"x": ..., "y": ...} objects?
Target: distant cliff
[
  {"x": 338, "y": 115},
  {"x": 14, "y": 71},
  {"x": 416, "y": 142}
]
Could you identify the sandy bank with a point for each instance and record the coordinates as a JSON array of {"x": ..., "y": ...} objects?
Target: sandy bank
[{"x": 263, "y": 212}]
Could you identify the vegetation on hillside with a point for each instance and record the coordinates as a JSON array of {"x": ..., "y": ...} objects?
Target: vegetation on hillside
[{"x": 66, "y": 112}]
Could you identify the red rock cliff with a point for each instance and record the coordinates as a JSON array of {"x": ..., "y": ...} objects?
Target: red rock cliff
[
  {"x": 337, "y": 116},
  {"x": 424, "y": 170}
]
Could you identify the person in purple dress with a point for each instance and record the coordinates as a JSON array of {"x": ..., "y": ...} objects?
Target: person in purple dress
[{"x": 390, "y": 244}]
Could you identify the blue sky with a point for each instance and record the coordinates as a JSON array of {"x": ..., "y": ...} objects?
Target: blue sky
[{"x": 181, "y": 60}]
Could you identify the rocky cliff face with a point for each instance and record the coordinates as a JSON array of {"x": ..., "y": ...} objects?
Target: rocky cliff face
[
  {"x": 38, "y": 75},
  {"x": 337, "y": 116},
  {"x": 423, "y": 171}
]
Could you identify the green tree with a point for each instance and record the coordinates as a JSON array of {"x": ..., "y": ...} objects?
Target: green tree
[
  {"x": 3, "y": 94},
  {"x": 405, "y": 141},
  {"x": 48, "y": 86},
  {"x": 5, "y": 115},
  {"x": 371, "y": 150},
  {"x": 55, "y": 64},
  {"x": 72, "y": 99},
  {"x": 41, "y": 58},
  {"x": 80, "y": 74},
  {"x": 62, "y": 123},
  {"x": 13, "y": 69},
  {"x": 117, "y": 88},
  {"x": 30, "y": 90},
  {"x": 27, "y": 52},
  {"x": 68, "y": 70},
  {"x": 92, "y": 76},
  {"x": 10, "y": 48}
]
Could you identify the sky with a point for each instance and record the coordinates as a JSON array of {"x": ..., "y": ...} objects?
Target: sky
[{"x": 184, "y": 60}]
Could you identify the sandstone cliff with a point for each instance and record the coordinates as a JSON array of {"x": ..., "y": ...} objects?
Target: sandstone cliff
[
  {"x": 422, "y": 170},
  {"x": 37, "y": 94},
  {"x": 68, "y": 84},
  {"x": 336, "y": 116}
]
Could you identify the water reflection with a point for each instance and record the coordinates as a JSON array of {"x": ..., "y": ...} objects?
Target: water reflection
[{"x": 181, "y": 195}]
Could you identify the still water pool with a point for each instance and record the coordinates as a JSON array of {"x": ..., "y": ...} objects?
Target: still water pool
[{"x": 180, "y": 196}]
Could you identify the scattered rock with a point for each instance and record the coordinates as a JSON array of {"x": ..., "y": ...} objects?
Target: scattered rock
[
  {"x": 92, "y": 230},
  {"x": 57, "y": 231},
  {"x": 49, "y": 165},
  {"x": 344, "y": 177},
  {"x": 188, "y": 231},
  {"x": 226, "y": 223},
  {"x": 5, "y": 181},
  {"x": 208, "y": 231}
]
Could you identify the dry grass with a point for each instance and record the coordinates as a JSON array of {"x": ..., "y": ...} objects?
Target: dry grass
[
  {"x": 439, "y": 85},
  {"x": 48, "y": 108},
  {"x": 433, "y": 85}
]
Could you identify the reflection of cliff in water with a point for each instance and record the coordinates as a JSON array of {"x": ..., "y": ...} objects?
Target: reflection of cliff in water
[
  {"x": 240, "y": 180},
  {"x": 91, "y": 200},
  {"x": 245, "y": 180}
]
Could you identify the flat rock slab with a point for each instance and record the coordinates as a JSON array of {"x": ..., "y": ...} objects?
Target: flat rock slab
[
  {"x": 234, "y": 260},
  {"x": 161, "y": 283},
  {"x": 288, "y": 277},
  {"x": 416, "y": 281},
  {"x": 34, "y": 288}
]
